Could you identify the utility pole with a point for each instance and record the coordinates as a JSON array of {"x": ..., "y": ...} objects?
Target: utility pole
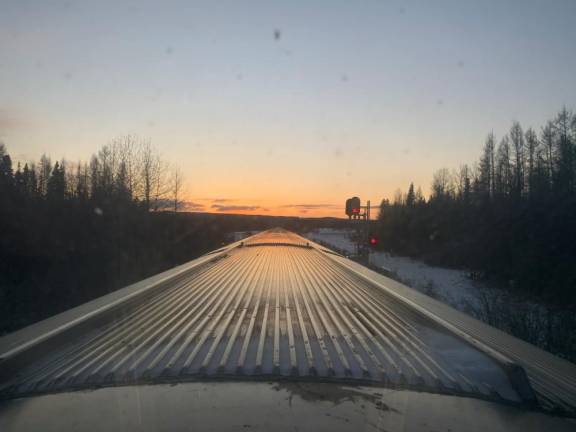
[{"x": 367, "y": 239}]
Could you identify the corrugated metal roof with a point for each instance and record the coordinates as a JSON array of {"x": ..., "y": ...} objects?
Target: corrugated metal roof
[
  {"x": 552, "y": 378},
  {"x": 276, "y": 238},
  {"x": 272, "y": 307}
]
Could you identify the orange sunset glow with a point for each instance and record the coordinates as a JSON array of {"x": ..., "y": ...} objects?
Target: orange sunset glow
[{"x": 274, "y": 111}]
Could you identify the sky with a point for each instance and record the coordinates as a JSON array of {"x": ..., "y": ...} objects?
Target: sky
[{"x": 283, "y": 107}]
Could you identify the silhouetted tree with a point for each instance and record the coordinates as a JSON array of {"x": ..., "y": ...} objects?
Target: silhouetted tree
[
  {"x": 524, "y": 237},
  {"x": 532, "y": 149},
  {"x": 56, "y": 187},
  {"x": 503, "y": 178},
  {"x": 487, "y": 169},
  {"x": 176, "y": 186},
  {"x": 44, "y": 172},
  {"x": 70, "y": 233},
  {"x": 565, "y": 157},
  {"x": 6, "y": 175},
  {"x": 517, "y": 139},
  {"x": 410, "y": 196}
]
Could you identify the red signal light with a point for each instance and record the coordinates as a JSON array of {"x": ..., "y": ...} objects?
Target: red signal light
[{"x": 373, "y": 241}]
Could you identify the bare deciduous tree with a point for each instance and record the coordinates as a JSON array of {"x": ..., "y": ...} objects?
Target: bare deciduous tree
[
  {"x": 148, "y": 172},
  {"x": 517, "y": 140},
  {"x": 442, "y": 184},
  {"x": 531, "y": 147},
  {"x": 548, "y": 139},
  {"x": 176, "y": 183}
]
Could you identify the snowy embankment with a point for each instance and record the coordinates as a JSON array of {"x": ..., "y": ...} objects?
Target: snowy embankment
[
  {"x": 241, "y": 235},
  {"x": 448, "y": 285}
]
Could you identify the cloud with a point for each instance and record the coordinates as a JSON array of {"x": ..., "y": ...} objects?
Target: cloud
[
  {"x": 168, "y": 204},
  {"x": 192, "y": 206},
  {"x": 216, "y": 200},
  {"x": 311, "y": 206},
  {"x": 227, "y": 208}
]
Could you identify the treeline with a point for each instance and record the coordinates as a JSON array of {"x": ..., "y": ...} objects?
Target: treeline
[
  {"x": 70, "y": 232},
  {"x": 129, "y": 170},
  {"x": 510, "y": 217}
]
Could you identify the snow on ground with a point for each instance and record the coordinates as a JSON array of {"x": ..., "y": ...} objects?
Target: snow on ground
[
  {"x": 241, "y": 235},
  {"x": 336, "y": 238},
  {"x": 509, "y": 312},
  {"x": 448, "y": 285}
]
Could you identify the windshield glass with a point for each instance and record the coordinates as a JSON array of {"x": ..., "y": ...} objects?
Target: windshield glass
[{"x": 376, "y": 194}]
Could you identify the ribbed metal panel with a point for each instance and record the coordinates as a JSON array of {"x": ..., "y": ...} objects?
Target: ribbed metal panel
[
  {"x": 276, "y": 238},
  {"x": 552, "y": 378},
  {"x": 275, "y": 309}
]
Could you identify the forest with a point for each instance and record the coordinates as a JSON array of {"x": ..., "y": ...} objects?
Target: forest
[
  {"x": 71, "y": 232},
  {"x": 510, "y": 217}
]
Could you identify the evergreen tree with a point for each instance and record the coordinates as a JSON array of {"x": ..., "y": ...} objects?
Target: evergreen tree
[
  {"x": 524, "y": 236},
  {"x": 565, "y": 153},
  {"x": 410, "y": 196},
  {"x": 56, "y": 186},
  {"x": 19, "y": 182},
  {"x": 532, "y": 149},
  {"x": 6, "y": 174},
  {"x": 44, "y": 172},
  {"x": 517, "y": 140},
  {"x": 486, "y": 177}
]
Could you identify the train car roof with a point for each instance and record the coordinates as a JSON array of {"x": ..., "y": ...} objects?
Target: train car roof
[{"x": 275, "y": 314}]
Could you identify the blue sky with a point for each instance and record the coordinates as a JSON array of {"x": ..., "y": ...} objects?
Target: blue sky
[{"x": 283, "y": 103}]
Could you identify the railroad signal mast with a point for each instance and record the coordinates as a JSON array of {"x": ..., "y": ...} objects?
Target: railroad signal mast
[
  {"x": 359, "y": 216},
  {"x": 353, "y": 208}
]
